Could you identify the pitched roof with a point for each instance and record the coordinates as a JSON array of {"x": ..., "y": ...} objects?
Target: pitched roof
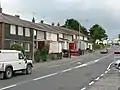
[{"x": 39, "y": 26}]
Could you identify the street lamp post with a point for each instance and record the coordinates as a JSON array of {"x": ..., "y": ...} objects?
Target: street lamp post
[
  {"x": 79, "y": 37},
  {"x": 79, "y": 33}
]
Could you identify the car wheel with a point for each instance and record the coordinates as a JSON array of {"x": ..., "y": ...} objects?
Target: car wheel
[
  {"x": 24, "y": 72},
  {"x": 8, "y": 73},
  {"x": 29, "y": 69}
]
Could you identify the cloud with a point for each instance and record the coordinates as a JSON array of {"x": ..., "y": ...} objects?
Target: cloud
[{"x": 103, "y": 12}]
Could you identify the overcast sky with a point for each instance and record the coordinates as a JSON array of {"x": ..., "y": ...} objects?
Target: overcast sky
[{"x": 103, "y": 12}]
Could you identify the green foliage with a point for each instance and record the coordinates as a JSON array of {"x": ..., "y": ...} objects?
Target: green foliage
[
  {"x": 97, "y": 32},
  {"x": 44, "y": 54},
  {"x": 75, "y": 25},
  {"x": 96, "y": 46},
  {"x": 72, "y": 24},
  {"x": 84, "y": 30},
  {"x": 17, "y": 47},
  {"x": 37, "y": 56}
]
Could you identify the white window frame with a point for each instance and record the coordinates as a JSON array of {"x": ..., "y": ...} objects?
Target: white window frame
[
  {"x": 20, "y": 31},
  {"x": 21, "y": 44},
  {"x": 28, "y": 47},
  {"x": 13, "y": 29},
  {"x": 27, "y": 32}
]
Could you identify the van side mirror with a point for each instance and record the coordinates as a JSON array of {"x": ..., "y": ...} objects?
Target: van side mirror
[{"x": 25, "y": 60}]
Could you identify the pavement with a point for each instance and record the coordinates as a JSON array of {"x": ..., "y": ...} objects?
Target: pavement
[
  {"x": 78, "y": 73},
  {"x": 111, "y": 81}
]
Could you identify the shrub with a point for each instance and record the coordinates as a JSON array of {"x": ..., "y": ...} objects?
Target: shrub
[
  {"x": 37, "y": 56},
  {"x": 96, "y": 46},
  {"x": 17, "y": 47}
]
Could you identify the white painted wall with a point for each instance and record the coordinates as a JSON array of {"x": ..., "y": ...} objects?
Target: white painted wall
[
  {"x": 48, "y": 36},
  {"x": 85, "y": 38},
  {"x": 91, "y": 47},
  {"x": 65, "y": 45},
  {"x": 105, "y": 42},
  {"x": 69, "y": 37},
  {"x": 55, "y": 47},
  {"x": 60, "y": 35},
  {"x": 77, "y": 37},
  {"x": 83, "y": 45},
  {"x": 40, "y": 35},
  {"x": 81, "y": 37},
  {"x": 65, "y": 36},
  {"x": 51, "y": 36},
  {"x": 74, "y": 36}
]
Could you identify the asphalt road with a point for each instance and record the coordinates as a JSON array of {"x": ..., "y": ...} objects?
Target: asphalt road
[{"x": 77, "y": 74}]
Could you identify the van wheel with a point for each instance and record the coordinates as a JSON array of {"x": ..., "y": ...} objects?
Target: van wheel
[
  {"x": 24, "y": 72},
  {"x": 8, "y": 73},
  {"x": 29, "y": 69}
]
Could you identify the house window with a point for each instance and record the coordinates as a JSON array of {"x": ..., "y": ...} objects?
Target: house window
[
  {"x": 27, "y": 47},
  {"x": 21, "y": 44},
  {"x": 12, "y": 29},
  {"x": 20, "y": 31},
  {"x": 27, "y": 32}
]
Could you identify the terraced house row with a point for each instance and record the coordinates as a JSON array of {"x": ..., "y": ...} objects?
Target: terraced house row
[{"x": 15, "y": 30}]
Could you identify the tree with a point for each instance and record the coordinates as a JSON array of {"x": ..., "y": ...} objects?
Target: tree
[
  {"x": 72, "y": 24},
  {"x": 84, "y": 30},
  {"x": 17, "y": 47},
  {"x": 97, "y": 32},
  {"x": 75, "y": 25}
]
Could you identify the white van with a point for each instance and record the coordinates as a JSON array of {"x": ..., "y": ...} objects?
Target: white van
[{"x": 12, "y": 61}]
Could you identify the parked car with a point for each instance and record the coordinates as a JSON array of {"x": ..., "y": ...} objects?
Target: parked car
[
  {"x": 12, "y": 61},
  {"x": 104, "y": 51},
  {"x": 117, "y": 59}
]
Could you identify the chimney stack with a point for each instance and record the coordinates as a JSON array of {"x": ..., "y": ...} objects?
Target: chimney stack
[
  {"x": 0, "y": 7},
  {"x": 18, "y": 16},
  {"x": 0, "y": 10},
  {"x": 58, "y": 24},
  {"x": 33, "y": 20},
  {"x": 53, "y": 24},
  {"x": 42, "y": 21}
]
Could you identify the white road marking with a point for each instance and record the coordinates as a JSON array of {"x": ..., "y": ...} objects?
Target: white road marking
[
  {"x": 102, "y": 75},
  {"x": 39, "y": 78},
  {"x": 80, "y": 66},
  {"x": 97, "y": 78},
  {"x": 97, "y": 60},
  {"x": 79, "y": 63},
  {"x": 91, "y": 83},
  {"x": 46, "y": 76},
  {"x": 83, "y": 88},
  {"x": 91, "y": 62},
  {"x": 110, "y": 65},
  {"x": 66, "y": 70},
  {"x": 11, "y": 86},
  {"x": 106, "y": 72}
]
